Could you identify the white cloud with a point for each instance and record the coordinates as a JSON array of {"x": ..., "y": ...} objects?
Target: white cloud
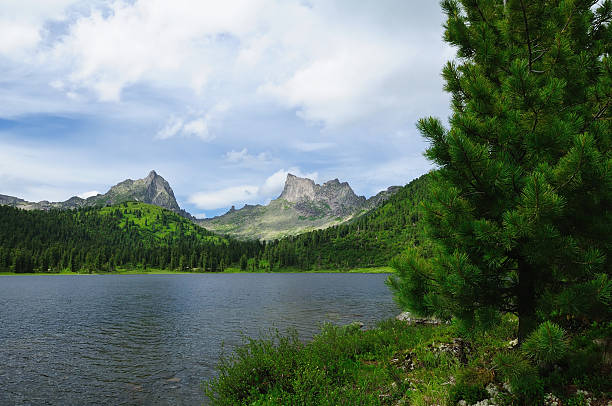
[
  {"x": 198, "y": 127},
  {"x": 235, "y": 195},
  {"x": 333, "y": 62},
  {"x": 47, "y": 173},
  {"x": 224, "y": 197},
  {"x": 320, "y": 81},
  {"x": 237, "y": 156},
  {"x": 15, "y": 37},
  {"x": 85, "y": 195},
  {"x": 22, "y": 23},
  {"x": 173, "y": 127},
  {"x": 194, "y": 125},
  {"x": 243, "y": 157}
]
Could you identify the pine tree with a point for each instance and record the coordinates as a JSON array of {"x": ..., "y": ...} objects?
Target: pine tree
[
  {"x": 520, "y": 216},
  {"x": 243, "y": 262}
]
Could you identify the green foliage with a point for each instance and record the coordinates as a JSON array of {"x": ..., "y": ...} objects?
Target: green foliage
[
  {"x": 519, "y": 210},
  {"x": 133, "y": 235},
  {"x": 522, "y": 375},
  {"x": 342, "y": 365},
  {"x": 547, "y": 344},
  {"x": 399, "y": 364},
  {"x": 468, "y": 392}
]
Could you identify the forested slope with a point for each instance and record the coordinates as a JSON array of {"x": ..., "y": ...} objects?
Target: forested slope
[{"x": 131, "y": 234}]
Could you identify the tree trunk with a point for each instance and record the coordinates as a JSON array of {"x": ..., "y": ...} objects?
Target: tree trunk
[{"x": 526, "y": 300}]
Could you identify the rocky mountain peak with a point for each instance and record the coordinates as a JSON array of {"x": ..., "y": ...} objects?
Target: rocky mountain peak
[
  {"x": 153, "y": 189},
  {"x": 297, "y": 189},
  {"x": 333, "y": 198}
]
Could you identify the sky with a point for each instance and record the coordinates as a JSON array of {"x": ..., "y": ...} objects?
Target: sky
[{"x": 222, "y": 99}]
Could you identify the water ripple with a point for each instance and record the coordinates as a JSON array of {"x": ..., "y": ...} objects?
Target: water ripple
[{"x": 125, "y": 340}]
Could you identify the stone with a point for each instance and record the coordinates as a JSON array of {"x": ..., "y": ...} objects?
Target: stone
[{"x": 410, "y": 320}]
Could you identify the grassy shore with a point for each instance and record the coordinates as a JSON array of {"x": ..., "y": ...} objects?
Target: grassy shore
[
  {"x": 151, "y": 271},
  {"x": 397, "y": 364},
  {"x": 382, "y": 269}
]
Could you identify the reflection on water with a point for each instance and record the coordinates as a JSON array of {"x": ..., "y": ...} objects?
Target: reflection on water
[{"x": 153, "y": 339}]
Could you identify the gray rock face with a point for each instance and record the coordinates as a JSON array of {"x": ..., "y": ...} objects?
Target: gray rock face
[
  {"x": 297, "y": 189},
  {"x": 152, "y": 190},
  {"x": 331, "y": 198}
]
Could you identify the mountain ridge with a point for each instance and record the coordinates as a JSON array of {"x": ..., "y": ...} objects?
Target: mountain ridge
[
  {"x": 152, "y": 189},
  {"x": 302, "y": 206}
]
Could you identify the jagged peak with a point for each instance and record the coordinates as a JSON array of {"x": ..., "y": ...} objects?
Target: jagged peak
[
  {"x": 291, "y": 178},
  {"x": 297, "y": 188}
]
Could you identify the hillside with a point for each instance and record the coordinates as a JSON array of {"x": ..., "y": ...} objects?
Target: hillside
[
  {"x": 131, "y": 234},
  {"x": 369, "y": 240},
  {"x": 302, "y": 206}
]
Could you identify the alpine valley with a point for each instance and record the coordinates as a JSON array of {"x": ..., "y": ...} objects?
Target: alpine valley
[
  {"x": 302, "y": 206},
  {"x": 138, "y": 224}
]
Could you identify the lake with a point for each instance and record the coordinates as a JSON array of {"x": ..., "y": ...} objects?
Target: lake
[{"x": 153, "y": 339}]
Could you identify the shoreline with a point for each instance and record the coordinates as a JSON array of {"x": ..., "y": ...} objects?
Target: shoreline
[{"x": 376, "y": 270}]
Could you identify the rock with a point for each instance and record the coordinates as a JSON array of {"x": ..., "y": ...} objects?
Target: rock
[
  {"x": 358, "y": 324},
  {"x": 459, "y": 348},
  {"x": 332, "y": 198},
  {"x": 410, "y": 320},
  {"x": 405, "y": 360}
]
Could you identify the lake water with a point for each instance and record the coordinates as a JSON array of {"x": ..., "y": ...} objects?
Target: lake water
[{"x": 153, "y": 339}]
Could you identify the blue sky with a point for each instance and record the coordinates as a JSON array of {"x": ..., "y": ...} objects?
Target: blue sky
[{"x": 222, "y": 99}]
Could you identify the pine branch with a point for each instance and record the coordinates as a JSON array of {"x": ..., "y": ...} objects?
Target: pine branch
[{"x": 527, "y": 32}]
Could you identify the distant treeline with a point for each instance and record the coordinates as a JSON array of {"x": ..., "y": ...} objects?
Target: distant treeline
[{"x": 139, "y": 236}]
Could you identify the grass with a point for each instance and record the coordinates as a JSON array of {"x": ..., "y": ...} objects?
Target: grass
[
  {"x": 152, "y": 271},
  {"x": 120, "y": 271},
  {"x": 381, "y": 269},
  {"x": 393, "y": 364}
]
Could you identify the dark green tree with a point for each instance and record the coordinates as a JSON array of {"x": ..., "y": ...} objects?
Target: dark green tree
[
  {"x": 243, "y": 262},
  {"x": 23, "y": 262},
  {"x": 520, "y": 214}
]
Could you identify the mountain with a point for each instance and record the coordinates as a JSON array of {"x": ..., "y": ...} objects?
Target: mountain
[
  {"x": 152, "y": 190},
  {"x": 369, "y": 240},
  {"x": 302, "y": 206}
]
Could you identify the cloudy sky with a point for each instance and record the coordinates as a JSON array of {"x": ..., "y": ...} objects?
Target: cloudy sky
[{"x": 220, "y": 98}]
